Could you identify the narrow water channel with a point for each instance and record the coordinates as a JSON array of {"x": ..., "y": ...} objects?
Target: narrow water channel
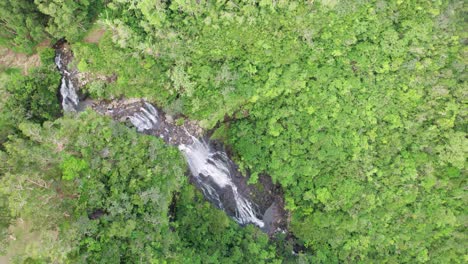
[{"x": 210, "y": 166}]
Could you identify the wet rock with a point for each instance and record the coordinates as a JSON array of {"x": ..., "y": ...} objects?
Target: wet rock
[
  {"x": 140, "y": 110},
  {"x": 261, "y": 204},
  {"x": 169, "y": 119},
  {"x": 69, "y": 93}
]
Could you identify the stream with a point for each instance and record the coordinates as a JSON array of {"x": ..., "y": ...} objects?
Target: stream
[
  {"x": 68, "y": 92},
  {"x": 211, "y": 168}
]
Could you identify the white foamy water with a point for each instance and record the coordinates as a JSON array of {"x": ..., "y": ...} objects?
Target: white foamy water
[
  {"x": 212, "y": 169},
  {"x": 146, "y": 119},
  {"x": 70, "y": 98}
]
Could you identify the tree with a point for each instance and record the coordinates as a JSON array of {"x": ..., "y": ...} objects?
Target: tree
[
  {"x": 21, "y": 25},
  {"x": 68, "y": 19},
  {"x": 33, "y": 97}
]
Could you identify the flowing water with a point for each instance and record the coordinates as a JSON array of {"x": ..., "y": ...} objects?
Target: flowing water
[
  {"x": 213, "y": 171},
  {"x": 70, "y": 99},
  {"x": 211, "y": 168}
]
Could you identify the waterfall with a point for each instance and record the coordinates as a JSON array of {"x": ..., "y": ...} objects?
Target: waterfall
[
  {"x": 146, "y": 119},
  {"x": 212, "y": 169},
  {"x": 70, "y": 98}
]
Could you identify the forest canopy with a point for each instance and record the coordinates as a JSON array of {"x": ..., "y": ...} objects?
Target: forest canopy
[{"x": 356, "y": 109}]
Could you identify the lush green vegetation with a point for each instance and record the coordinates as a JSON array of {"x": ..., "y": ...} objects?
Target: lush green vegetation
[
  {"x": 97, "y": 192},
  {"x": 356, "y": 108},
  {"x": 24, "y": 23},
  {"x": 32, "y": 97},
  {"x": 21, "y": 25}
]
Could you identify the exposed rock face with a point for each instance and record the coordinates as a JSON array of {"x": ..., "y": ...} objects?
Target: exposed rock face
[
  {"x": 69, "y": 82},
  {"x": 215, "y": 174},
  {"x": 150, "y": 120},
  {"x": 212, "y": 170}
]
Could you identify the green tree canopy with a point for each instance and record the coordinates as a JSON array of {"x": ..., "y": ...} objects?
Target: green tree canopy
[{"x": 21, "y": 25}]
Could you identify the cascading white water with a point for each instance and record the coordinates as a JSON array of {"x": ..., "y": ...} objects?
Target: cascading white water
[
  {"x": 209, "y": 166},
  {"x": 70, "y": 98},
  {"x": 146, "y": 119},
  {"x": 212, "y": 169}
]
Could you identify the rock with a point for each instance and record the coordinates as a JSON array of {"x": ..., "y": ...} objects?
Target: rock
[{"x": 105, "y": 153}]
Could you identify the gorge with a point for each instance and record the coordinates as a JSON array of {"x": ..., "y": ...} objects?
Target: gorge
[{"x": 211, "y": 168}]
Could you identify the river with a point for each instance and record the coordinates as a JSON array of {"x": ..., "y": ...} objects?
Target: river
[{"x": 211, "y": 168}]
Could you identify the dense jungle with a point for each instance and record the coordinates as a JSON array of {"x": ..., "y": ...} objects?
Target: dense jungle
[{"x": 348, "y": 117}]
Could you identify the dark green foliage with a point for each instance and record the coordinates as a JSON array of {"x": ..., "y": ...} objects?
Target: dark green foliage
[
  {"x": 107, "y": 191},
  {"x": 34, "y": 97},
  {"x": 24, "y": 23},
  {"x": 137, "y": 75},
  {"x": 125, "y": 181},
  {"x": 202, "y": 229},
  {"x": 361, "y": 132},
  {"x": 6, "y": 121},
  {"x": 21, "y": 25},
  {"x": 68, "y": 19},
  {"x": 103, "y": 187},
  {"x": 354, "y": 107},
  {"x": 5, "y": 221}
]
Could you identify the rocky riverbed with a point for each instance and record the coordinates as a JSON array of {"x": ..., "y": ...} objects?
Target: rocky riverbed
[{"x": 211, "y": 168}]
